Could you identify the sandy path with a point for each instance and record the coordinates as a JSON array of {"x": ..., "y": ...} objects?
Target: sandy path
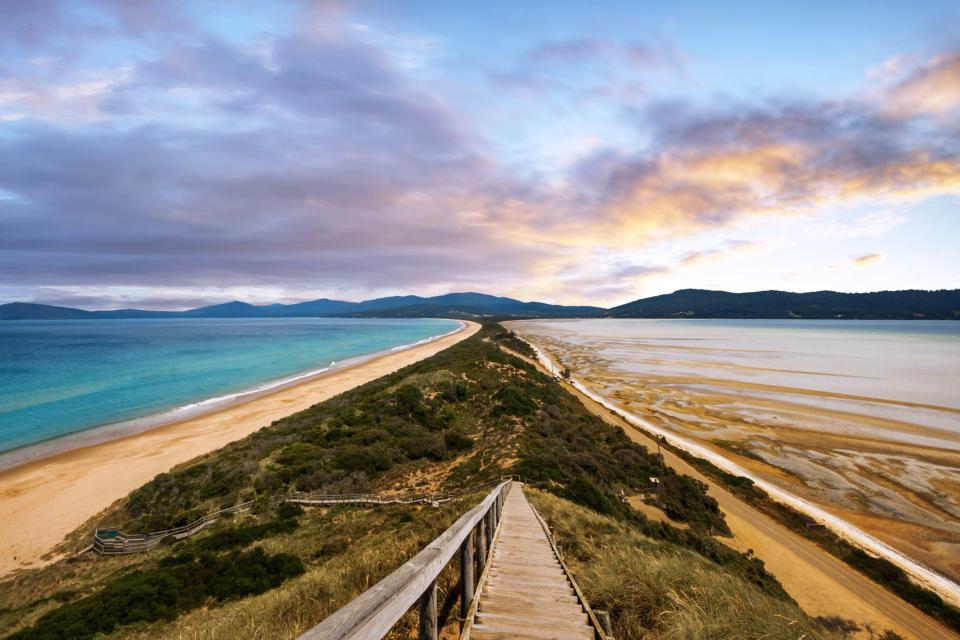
[
  {"x": 820, "y": 583},
  {"x": 43, "y": 501}
]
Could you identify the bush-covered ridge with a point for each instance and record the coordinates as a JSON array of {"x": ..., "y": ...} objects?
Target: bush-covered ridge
[{"x": 473, "y": 408}]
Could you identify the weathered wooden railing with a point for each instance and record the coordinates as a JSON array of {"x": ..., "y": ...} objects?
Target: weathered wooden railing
[
  {"x": 309, "y": 499},
  {"x": 115, "y": 542},
  {"x": 373, "y": 613}
]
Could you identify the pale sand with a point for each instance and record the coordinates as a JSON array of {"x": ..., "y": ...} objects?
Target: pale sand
[{"x": 44, "y": 500}]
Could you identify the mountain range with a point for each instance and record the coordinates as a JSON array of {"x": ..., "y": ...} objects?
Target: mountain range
[
  {"x": 451, "y": 304},
  {"x": 686, "y": 303},
  {"x": 879, "y": 305}
]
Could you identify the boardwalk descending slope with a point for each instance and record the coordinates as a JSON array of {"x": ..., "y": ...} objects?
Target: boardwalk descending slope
[{"x": 526, "y": 593}]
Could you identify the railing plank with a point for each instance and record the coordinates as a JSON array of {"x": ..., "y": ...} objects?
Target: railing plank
[{"x": 374, "y": 612}]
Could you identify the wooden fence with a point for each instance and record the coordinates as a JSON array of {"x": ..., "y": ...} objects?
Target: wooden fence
[{"x": 115, "y": 542}]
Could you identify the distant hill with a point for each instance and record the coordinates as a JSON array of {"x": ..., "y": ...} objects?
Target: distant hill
[
  {"x": 451, "y": 304},
  {"x": 28, "y": 311},
  {"x": 700, "y": 303},
  {"x": 686, "y": 303},
  {"x": 476, "y": 304},
  {"x": 31, "y": 311}
]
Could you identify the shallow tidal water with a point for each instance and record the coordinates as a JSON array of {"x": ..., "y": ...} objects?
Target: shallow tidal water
[{"x": 862, "y": 417}]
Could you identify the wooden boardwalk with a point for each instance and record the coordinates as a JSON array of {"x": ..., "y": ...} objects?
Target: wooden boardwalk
[{"x": 525, "y": 591}]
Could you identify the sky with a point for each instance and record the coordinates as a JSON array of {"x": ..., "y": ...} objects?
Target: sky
[{"x": 162, "y": 154}]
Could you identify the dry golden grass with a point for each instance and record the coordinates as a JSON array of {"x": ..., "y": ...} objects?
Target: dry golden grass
[
  {"x": 657, "y": 591},
  {"x": 351, "y": 550},
  {"x": 346, "y": 550}
]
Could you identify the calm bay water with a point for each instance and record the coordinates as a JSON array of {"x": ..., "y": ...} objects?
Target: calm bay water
[
  {"x": 903, "y": 360},
  {"x": 860, "y": 419},
  {"x": 65, "y": 376}
]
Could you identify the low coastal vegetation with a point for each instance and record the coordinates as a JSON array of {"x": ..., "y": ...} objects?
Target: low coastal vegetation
[
  {"x": 879, "y": 570},
  {"x": 655, "y": 589},
  {"x": 453, "y": 423},
  {"x": 178, "y": 583}
]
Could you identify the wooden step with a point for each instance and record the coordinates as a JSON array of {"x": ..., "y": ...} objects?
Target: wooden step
[
  {"x": 542, "y": 617},
  {"x": 535, "y": 629},
  {"x": 486, "y": 634},
  {"x": 527, "y": 595},
  {"x": 525, "y": 592},
  {"x": 522, "y": 608}
]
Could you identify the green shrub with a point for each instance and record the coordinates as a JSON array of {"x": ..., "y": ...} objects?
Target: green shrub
[
  {"x": 425, "y": 445},
  {"x": 583, "y": 491},
  {"x": 457, "y": 441},
  {"x": 512, "y": 400},
  {"x": 288, "y": 510},
  {"x": 685, "y": 499},
  {"x": 408, "y": 399},
  {"x": 243, "y": 536},
  {"x": 181, "y": 583},
  {"x": 300, "y": 454},
  {"x": 358, "y": 458}
]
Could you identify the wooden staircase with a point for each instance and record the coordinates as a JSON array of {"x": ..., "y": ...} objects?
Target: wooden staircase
[{"x": 525, "y": 591}]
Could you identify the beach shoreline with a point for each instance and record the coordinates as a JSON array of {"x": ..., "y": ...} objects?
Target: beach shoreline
[
  {"x": 75, "y": 484},
  {"x": 86, "y": 437}
]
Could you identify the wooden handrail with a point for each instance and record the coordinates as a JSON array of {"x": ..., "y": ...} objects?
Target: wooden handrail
[{"x": 372, "y": 614}]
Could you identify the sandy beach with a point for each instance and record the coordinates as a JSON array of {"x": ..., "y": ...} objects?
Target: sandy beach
[{"x": 44, "y": 500}]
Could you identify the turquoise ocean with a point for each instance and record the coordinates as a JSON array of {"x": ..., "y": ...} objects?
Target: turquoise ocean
[{"x": 96, "y": 379}]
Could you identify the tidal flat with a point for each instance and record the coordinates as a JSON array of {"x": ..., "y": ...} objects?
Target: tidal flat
[{"x": 860, "y": 417}]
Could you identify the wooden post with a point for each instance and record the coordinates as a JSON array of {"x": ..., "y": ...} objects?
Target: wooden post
[
  {"x": 466, "y": 577},
  {"x": 481, "y": 546},
  {"x": 604, "y": 619},
  {"x": 428, "y": 613}
]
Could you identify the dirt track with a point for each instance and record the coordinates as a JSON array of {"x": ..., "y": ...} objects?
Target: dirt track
[{"x": 819, "y": 582}]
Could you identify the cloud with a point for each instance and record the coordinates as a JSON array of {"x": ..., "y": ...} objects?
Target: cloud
[
  {"x": 571, "y": 50},
  {"x": 933, "y": 89},
  {"x": 688, "y": 259},
  {"x": 869, "y": 224},
  {"x": 324, "y": 166},
  {"x": 652, "y": 53},
  {"x": 868, "y": 259},
  {"x": 711, "y": 168},
  {"x": 318, "y": 157},
  {"x": 611, "y": 68}
]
